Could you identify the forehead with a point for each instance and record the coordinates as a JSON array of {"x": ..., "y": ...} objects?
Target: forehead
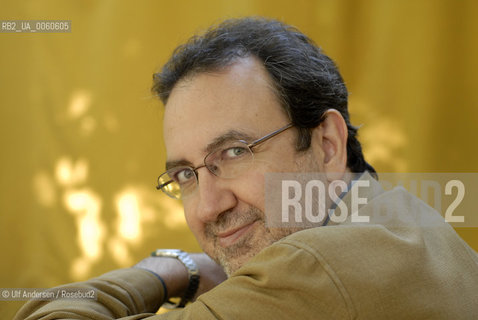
[{"x": 208, "y": 105}]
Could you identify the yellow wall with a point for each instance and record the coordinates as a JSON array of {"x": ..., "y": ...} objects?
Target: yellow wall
[{"x": 81, "y": 133}]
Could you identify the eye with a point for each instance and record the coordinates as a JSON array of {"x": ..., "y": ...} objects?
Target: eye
[
  {"x": 234, "y": 152},
  {"x": 184, "y": 176}
]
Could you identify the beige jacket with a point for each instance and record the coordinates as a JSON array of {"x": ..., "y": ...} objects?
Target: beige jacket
[{"x": 400, "y": 269}]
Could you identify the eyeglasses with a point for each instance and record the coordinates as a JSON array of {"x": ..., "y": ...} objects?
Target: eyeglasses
[{"x": 228, "y": 161}]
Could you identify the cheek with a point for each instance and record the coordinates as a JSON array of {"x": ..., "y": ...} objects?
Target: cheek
[
  {"x": 193, "y": 222},
  {"x": 197, "y": 228},
  {"x": 251, "y": 189}
]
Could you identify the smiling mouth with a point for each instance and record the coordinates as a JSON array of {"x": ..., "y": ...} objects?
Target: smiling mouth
[{"x": 230, "y": 237}]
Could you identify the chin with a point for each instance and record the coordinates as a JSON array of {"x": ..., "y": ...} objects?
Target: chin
[
  {"x": 232, "y": 266},
  {"x": 234, "y": 257}
]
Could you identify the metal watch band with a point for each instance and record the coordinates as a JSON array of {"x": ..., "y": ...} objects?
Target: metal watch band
[{"x": 193, "y": 274}]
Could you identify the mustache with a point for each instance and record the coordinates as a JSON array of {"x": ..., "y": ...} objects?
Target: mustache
[{"x": 232, "y": 218}]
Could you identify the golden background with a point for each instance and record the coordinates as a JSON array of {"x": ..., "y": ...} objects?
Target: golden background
[{"x": 81, "y": 132}]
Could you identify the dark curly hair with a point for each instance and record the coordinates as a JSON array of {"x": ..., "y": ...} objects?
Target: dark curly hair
[{"x": 307, "y": 82}]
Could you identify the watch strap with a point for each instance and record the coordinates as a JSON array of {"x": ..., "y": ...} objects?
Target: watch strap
[{"x": 193, "y": 274}]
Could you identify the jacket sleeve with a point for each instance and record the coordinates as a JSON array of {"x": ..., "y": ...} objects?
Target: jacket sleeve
[{"x": 119, "y": 293}]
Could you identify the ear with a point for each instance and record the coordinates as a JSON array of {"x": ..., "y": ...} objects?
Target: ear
[{"x": 331, "y": 139}]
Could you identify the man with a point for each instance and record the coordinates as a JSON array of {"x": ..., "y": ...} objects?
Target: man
[{"x": 251, "y": 97}]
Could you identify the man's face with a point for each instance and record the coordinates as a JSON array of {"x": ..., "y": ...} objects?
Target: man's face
[{"x": 227, "y": 215}]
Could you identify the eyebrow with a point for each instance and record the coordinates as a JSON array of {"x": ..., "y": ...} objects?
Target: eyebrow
[
  {"x": 231, "y": 135},
  {"x": 178, "y": 163}
]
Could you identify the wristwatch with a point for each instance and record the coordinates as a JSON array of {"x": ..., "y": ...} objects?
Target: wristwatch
[{"x": 193, "y": 274}]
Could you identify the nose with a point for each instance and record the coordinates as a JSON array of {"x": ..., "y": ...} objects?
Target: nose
[{"x": 214, "y": 196}]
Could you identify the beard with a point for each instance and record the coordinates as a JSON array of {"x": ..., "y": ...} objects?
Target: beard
[{"x": 232, "y": 257}]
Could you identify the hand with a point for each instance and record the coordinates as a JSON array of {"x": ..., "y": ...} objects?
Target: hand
[
  {"x": 175, "y": 274},
  {"x": 210, "y": 272}
]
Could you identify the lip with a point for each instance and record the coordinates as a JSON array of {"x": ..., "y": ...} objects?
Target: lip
[{"x": 229, "y": 237}]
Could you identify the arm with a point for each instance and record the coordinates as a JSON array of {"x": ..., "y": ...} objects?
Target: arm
[
  {"x": 125, "y": 292},
  {"x": 287, "y": 280},
  {"x": 119, "y": 293}
]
